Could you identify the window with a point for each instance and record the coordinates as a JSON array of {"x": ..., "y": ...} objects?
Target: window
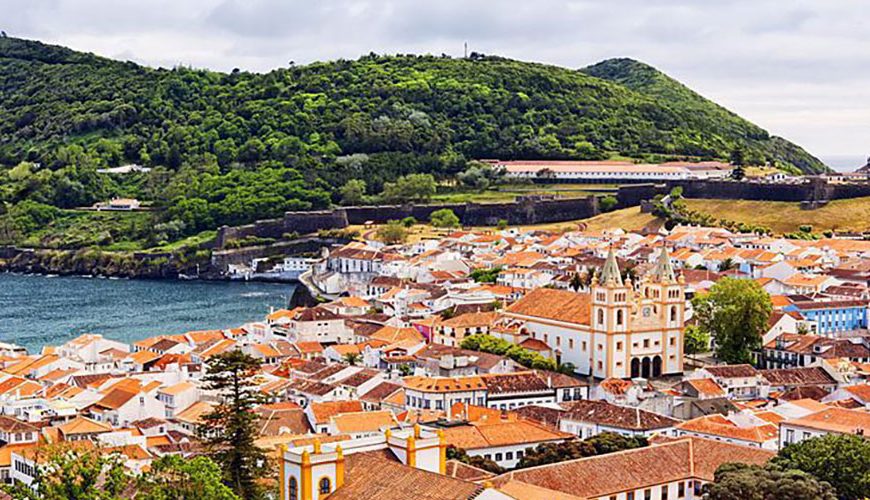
[
  {"x": 629, "y": 495},
  {"x": 601, "y": 316},
  {"x": 619, "y": 346},
  {"x": 673, "y": 313},
  {"x": 681, "y": 490},
  {"x": 647, "y": 494},
  {"x": 664, "y": 495},
  {"x": 293, "y": 488},
  {"x": 498, "y": 457},
  {"x": 570, "y": 343},
  {"x": 325, "y": 486},
  {"x": 600, "y": 365},
  {"x": 789, "y": 436},
  {"x": 646, "y": 343},
  {"x": 673, "y": 341},
  {"x": 509, "y": 455},
  {"x": 558, "y": 340},
  {"x": 619, "y": 317},
  {"x": 584, "y": 345}
]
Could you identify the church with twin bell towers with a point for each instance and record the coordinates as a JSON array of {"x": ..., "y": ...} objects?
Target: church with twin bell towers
[{"x": 618, "y": 329}]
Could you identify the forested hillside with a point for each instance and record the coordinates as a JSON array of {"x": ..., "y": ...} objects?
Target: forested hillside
[{"x": 230, "y": 148}]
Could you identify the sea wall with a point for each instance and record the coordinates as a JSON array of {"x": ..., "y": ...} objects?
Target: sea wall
[
  {"x": 292, "y": 222},
  {"x": 813, "y": 191},
  {"x": 526, "y": 210}
]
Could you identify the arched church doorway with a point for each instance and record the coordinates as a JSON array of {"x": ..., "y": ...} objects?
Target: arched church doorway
[
  {"x": 657, "y": 366},
  {"x": 645, "y": 368}
]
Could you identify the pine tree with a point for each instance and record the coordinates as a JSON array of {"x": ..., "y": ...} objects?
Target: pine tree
[{"x": 230, "y": 429}]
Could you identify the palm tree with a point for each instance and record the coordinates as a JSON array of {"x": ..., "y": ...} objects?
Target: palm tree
[{"x": 352, "y": 358}]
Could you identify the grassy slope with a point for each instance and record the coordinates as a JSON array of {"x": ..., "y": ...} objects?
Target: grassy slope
[
  {"x": 628, "y": 219},
  {"x": 651, "y": 82},
  {"x": 785, "y": 217}
]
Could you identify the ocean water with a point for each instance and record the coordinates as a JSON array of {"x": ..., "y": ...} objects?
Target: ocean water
[
  {"x": 43, "y": 310},
  {"x": 844, "y": 163}
]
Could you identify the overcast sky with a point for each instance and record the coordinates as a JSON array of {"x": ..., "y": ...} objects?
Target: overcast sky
[{"x": 799, "y": 68}]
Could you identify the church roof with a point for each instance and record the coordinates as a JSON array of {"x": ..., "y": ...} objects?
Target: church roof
[
  {"x": 610, "y": 271},
  {"x": 664, "y": 270}
]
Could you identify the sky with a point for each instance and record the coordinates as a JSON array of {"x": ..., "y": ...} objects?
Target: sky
[{"x": 798, "y": 68}]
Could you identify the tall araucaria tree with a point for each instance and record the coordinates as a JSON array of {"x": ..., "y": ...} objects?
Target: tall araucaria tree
[{"x": 229, "y": 430}]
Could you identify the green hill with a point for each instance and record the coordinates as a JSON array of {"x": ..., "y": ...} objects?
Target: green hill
[
  {"x": 703, "y": 114},
  {"x": 232, "y": 147}
]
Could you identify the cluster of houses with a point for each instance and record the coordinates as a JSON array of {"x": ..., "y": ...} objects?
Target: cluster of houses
[{"x": 367, "y": 394}]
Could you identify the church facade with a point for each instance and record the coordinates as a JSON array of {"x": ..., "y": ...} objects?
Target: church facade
[{"x": 619, "y": 329}]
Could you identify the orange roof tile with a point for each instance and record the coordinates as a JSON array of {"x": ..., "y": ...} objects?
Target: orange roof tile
[{"x": 559, "y": 305}]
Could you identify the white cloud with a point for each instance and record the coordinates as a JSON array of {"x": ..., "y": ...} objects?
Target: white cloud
[{"x": 797, "y": 68}]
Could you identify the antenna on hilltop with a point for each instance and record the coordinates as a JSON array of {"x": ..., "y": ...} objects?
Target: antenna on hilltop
[{"x": 466, "y": 50}]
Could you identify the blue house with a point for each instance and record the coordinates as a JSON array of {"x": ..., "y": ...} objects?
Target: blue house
[{"x": 835, "y": 316}]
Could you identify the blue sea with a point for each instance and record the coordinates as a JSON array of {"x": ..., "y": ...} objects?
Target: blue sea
[{"x": 43, "y": 310}]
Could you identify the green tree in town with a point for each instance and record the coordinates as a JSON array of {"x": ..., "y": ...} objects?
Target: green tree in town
[
  {"x": 392, "y": 233},
  {"x": 484, "y": 275},
  {"x": 74, "y": 473},
  {"x": 696, "y": 340},
  {"x": 502, "y": 224},
  {"x": 600, "y": 444},
  {"x": 735, "y": 313},
  {"x": 460, "y": 455},
  {"x": 444, "y": 218},
  {"x": 576, "y": 282},
  {"x": 607, "y": 203},
  {"x": 174, "y": 478},
  {"x": 839, "y": 459},
  {"x": 753, "y": 482},
  {"x": 727, "y": 264},
  {"x": 352, "y": 192},
  {"x": 352, "y": 358},
  {"x": 229, "y": 430},
  {"x": 409, "y": 222}
]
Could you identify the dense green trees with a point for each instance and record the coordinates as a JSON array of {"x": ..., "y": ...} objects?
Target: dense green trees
[
  {"x": 752, "y": 482},
  {"x": 81, "y": 473},
  {"x": 841, "y": 460},
  {"x": 74, "y": 473},
  {"x": 531, "y": 359},
  {"x": 606, "y": 442},
  {"x": 243, "y": 146},
  {"x": 696, "y": 340},
  {"x": 412, "y": 187},
  {"x": 735, "y": 313}
]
